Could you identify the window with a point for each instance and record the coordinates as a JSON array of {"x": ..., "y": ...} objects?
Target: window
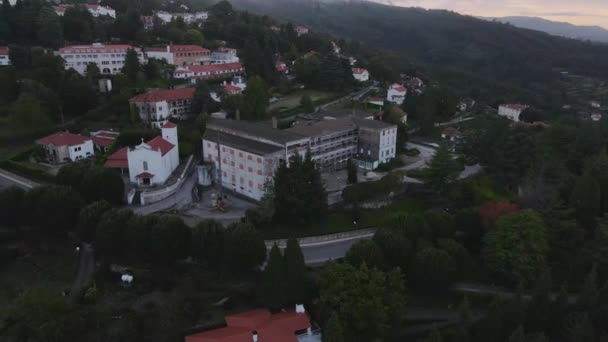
[
  {"x": 241, "y": 166},
  {"x": 251, "y": 184},
  {"x": 259, "y": 160},
  {"x": 249, "y": 169},
  {"x": 145, "y": 166},
  {"x": 249, "y": 157},
  {"x": 259, "y": 172}
]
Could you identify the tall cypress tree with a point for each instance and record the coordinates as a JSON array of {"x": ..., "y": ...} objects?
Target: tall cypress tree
[
  {"x": 274, "y": 283},
  {"x": 296, "y": 280},
  {"x": 334, "y": 331},
  {"x": 49, "y": 28}
]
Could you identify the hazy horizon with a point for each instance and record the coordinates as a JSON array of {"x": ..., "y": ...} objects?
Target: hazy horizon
[{"x": 587, "y": 12}]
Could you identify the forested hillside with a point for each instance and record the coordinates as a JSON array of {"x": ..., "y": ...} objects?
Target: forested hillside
[{"x": 492, "y": 51}]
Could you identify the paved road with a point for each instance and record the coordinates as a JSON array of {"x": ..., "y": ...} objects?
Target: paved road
[
  {"x": 86, "y": 271},
  {"x": 8, "y": 179},
  {"x": 181, "y": 198}
]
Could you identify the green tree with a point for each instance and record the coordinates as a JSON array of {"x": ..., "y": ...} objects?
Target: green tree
[
  {"x": 12, "y": 207},
  {"x": 296, "y": 278},
  {"x": 88, "y": 219},
  {"x": 299, "y": 196},
  {"x": 518, "y": 335},
  {"x": 49, "y": 28},
  {"x": 274, "y": 284},
  {"x": 365, "y": 252},
  {"x": 516, "y": 249},
  {"x": 597, "y": 170},
  {"x": 201, "y": 100},
  {"x": 9, "y": 88},
  {"x": 433, "y": 268},
  {"x": 396, "y": 248},
  {"x": 308, "y": 71},
  {"x": 255, "y": 99},
  {"x": 77, "y": 24},
  {"x": 434, "y": 336},
  {"x": 333, "y": 332},
  {"x": 29, "y": 114},
  {"x": 194, "y": 37},
  {"x": 110, "y": 239},
  {"x": 352, "y": 172},
  {"x": 443, "y": 170},
  {"x": 53, "y": 208},
  {"x": 587, "y": 200},
  {"x": 132, "y": 66},
  {"x": 92, "y": 72},
  {"x": 245, "y": 248},
  {"x": 209, "y": 243},
  {"x": 100, "y": 183},
  {"x": 307, "y": 104}
]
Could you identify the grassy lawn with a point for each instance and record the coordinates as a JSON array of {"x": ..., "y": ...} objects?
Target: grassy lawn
[
  {"x": 293, "y": 100},
  {"x": 342, "y": 221}
]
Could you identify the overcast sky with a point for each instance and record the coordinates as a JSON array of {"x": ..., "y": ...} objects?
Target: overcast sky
[{"x": 581, "y": 12}]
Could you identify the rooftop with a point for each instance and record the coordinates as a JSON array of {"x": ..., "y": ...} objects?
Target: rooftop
[
  {"x": 359, "y": 71},
  {"x": 515, "y": 106},
  {"x": 254, "y": 129},
  {"x": 373, "y": 124},
  {"x": 398, "y": 87},
  {"x": 241, "y": 143},
  {"x": 164, "y": 95},
  {"x": 95, "y": 48},
  {"x": 104, "y": 138},
  {"x": 322, "y": 127},
  {"x": 118, "y": 159},
  {"x": 3, "y": 50},
  {"x": 160, "y": 144},
  {"x": 63, "y": 139}
]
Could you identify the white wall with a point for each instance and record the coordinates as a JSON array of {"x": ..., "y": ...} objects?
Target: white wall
[
  {"x": 82, "y": 151},
  {"x": 5, "y": 60},
  {"x": 167, "y": 56},
  {"x": 509, "y": 113},
  {"x": 154, "y": 111},
  {"x": 156, "y": 165},
  {"x": 388, "y": 144}
]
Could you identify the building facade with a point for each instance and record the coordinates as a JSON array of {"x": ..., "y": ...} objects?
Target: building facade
[
  {"x": 396, "y": 93},
  {"x": 196, "y": 72},
  {"x": 98, "y": 10},
  {"x": 110, "y": 59},
  {"x": 156, "y": 107},
  {"x": 4, "y": 56},
  {"x": 181, "y": 55},
  {"x": 224, "y": 55},
  {"x": 361, "y": 75},
  {"x": 64, "y": 147},
  {"x": 511, "y": 111}
]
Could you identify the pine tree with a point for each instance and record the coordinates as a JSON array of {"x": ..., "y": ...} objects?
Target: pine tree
[
  {"x": 132, "y": 66},
  {"x": 201, "y": 98},
  {"x": 333, "y": 332},
  {"x": 518, "y": 335},
  {"x": 587, "y": 299},
  {"x": 296, "y": 279},
  {"x": 442, "y": 171},
  {"x": 274, "y": 282},
  {"x": 255, "y": 99},
  {"x": 48, "y": 28}
]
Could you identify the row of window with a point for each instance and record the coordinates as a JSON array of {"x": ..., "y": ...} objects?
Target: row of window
[
  {"x": 118, "y": 55},
  {"x": 250, "y": 183}
]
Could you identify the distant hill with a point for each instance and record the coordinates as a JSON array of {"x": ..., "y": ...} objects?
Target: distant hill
[
  {"x": 593, "y": 33},
  {"x": 494, "y": 51}
]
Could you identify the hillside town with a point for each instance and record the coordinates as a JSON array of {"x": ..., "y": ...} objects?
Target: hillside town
[{"x": 180, "y": 172}]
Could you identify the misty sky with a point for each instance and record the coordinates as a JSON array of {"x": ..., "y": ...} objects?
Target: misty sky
[{"x": 581, "y": 12}]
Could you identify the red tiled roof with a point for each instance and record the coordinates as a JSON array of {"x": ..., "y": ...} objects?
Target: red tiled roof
[
  {"x": 280, "y": 327},
  {"x": 164, "y": 95},
  {"x": 102, "y": 141},
  {"x": 187, "y": 48},
  {"x": 96, "y": 7},
  {"x": 281, "y": 67},
  {"x": 398, "y": 87},
  {"x": 154, "y": 49},
  {"x": 3, "y": 50},
  {"x": 63, "y": 139},
  {"x": 169, "y": 124},
  {"x": 144, "y": 175},
  {"x": 375, "y": 99},
  {"x": 118, "y": 160},
  {"x": 515, "y": 106},
  {"x": 232, "y": 88},
  {"x": 161, "y": 144},
  {"x": 212, "y": 67},
  {"x": 359, "y": 71},
  {"x": 451, "y": 132}
]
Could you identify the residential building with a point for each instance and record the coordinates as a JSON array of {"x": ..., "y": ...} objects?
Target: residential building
[
  {"x": 4, "y": 56},
  {"x": 64, "y": 147},
  {"x": 261, "y": 325},
  {"x": 376, "y": 101},
  {"x": 180, "y": 55},
  {"x": 109, "y": 58},
  {"x": 98, "y": 10},
  {"x": 396, "y": 93},
  {"x": 361, "y": 75},
  {"x": 450, "y": 133},
  {"x": 511, "y": 111},
  {"x": 156, "y": 107},
  {"x": 250, "y": 152},
  {"x": 59, "y": 10},
  {"x": 165, "y": 17},
  {"x": 149, "y": 163},
  {"x": 275, "y": 28},
  {"x": 102, "y": 140},
  {"x": 195, "y": 72},
  {"x": 148, "y": 22},
  {"x": 281, "y": 67},
  {"x": 596, "y": 116},
  {"x": 301, "y": 30},
  {"x": 232, "y": 89},
  {"x": 595, "y": 104},
  {"x": 224, "y": 55}
]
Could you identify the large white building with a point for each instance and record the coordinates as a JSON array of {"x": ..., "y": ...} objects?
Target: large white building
[
  {"x": 196, "y": 72},
  {"x": 64, "y": 147},
  {"x": 110, "y": 59},
  {"x": 94, "y": 9},
  {"x": 396, "y": 93},
  {"x": 156, "y": 107},
  {"x": 4, "y": 56},
  {"x": 224, "y": 55},
  {"x": 180, "y": 55},
  {"x": 149, "y": 163},
  {"x": 361, "y": 75},
  {"x": 511, "y": 111},
  {"x": 246, "y": 154},
  {"x": 188, "y": 18}
]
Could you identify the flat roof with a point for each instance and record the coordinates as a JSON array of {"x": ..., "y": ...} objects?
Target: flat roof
[
  {"x": 254, "y": 129},
  {"x": 241, "y": 143},
  {"x": 322, "y": 127},
  {"x": 375, "y": 124}
]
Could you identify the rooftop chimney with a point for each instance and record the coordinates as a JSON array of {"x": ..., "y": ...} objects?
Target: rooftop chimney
[
  {"x": 300, "y": 308},
  {"x": 254, "y": 336},
  {"x": 275, "y": 124}
]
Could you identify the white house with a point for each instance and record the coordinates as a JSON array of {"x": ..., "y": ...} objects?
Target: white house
[
  {"x": 63, "y": 147},
  {"x": 301, "y": 30},
  {"x": 224, "y": 55},
  {"x": 376, "y": 101},
  {"x": 511, "y": 111},
  {"x": 595, "y": 104},
  {"x": 109, "y": 58},
  {"x": 98, "y": 10},
  {"x": 165, "y": 17},
  {"x": 396, "y": 93},
  {"x": 4, "y": 56},
  {"x": 155, "y": 107},
  {"x": 152, "y": 162},
  {"x": 361, "y": 75}
]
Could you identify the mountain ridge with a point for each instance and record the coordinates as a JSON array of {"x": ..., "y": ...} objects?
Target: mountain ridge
[{"x": 556, "y": 28}]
